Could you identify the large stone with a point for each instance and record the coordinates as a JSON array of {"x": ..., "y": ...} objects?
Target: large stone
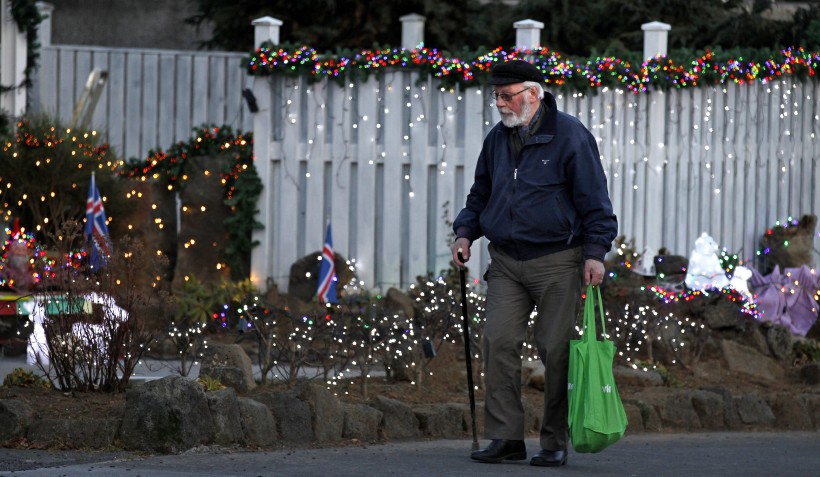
[
  {"x": 723, "y": 314},
  {"x": 399, "y": 420},
  {"x": 73, "y": 433},
  {"x": 532, "y": 374},
  {"x": 780, "y": 341},
  {"x": 16, "y": 416},
  {"x": 258, "y": 424},
  {"x": 467, "y": 416},
  {"x": 789, "y": 246},
  {"x": 230, "y": 365},
  {"x": 812, "y": 403},
  {"x": 361, "y": 422},
  {"x": 790, "y": 412},
  {"x": 731, "y": 418},
  {"x": 166, "y": 415},
  {"x": 633, "y": 418},
  {"x": 304, "y": 275},
  {"x": 625, "y": 376},
  {"x": 710, "y": 408},
  {"x": 753, "y": 410},
  {"x": 327, "y": 416},
  {"x": 292, "y": 415},
  {"x": 674, "y": 407},
  {"x": 748, "y": 362},
  {"x": 810, "y": 373},
  {"x": 441, "y": 420},
  {"x": 224, "y": 408}
]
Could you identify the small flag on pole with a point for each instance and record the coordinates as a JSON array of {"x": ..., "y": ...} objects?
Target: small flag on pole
[
  {"x": 96, "y": 230},
  {"x": 327, "y": 272}
]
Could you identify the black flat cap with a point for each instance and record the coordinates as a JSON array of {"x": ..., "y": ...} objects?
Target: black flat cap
[{"x": 515, "y": 71}]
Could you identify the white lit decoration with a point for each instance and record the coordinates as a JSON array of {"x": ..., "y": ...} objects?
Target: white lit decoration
[{"x": 705, "y": 271}]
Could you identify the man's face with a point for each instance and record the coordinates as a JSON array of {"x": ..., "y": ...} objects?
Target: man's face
[{"x": 519, "y": 109}]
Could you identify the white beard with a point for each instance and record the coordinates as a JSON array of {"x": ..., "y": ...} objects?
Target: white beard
[{"x": 511, "y": 120}]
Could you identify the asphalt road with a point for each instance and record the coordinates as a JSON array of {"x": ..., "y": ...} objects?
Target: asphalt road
[{"x": 652, "y": 455}]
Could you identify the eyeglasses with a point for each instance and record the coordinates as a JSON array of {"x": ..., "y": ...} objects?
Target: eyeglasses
[{"x": 506, "y": 96}]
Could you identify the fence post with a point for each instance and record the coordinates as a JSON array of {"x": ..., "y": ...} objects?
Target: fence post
[
  {"x": 412, "y": 31},
  {"x": 528, "y": 34},
  {"x": 265, "y": 29},
  {"x": 654, "y": 44},
  {"x": 44, "y": 30},
  {"x": 13, "y": 54},
  {"x": 655, "y": 38}
]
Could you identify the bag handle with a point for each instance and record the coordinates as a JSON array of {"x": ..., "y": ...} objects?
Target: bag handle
[{"x": 589, "y": 314}]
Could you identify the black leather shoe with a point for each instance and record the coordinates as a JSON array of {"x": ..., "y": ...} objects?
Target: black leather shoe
[
  {"x": 547, "y": 458},
  {"x": 501, "y": 449}
]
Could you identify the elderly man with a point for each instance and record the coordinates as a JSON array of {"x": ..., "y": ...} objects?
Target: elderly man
[{"x": 540, "y": 197}]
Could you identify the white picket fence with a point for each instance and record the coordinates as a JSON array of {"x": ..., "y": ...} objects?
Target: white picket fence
[
  {"x": 151, "y": 98},
  {"x": 388, "y": 159}
]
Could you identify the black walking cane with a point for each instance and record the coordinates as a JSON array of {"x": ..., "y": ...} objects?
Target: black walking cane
[{"x": 467, "y": 356}]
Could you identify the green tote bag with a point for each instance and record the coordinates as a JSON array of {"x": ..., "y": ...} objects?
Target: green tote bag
[{"x": 596, "y": 415}]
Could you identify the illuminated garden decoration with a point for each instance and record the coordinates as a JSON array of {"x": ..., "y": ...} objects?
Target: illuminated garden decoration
[
  {"x": 20, "y": 251},
  {"x": 45, "y": 170}
]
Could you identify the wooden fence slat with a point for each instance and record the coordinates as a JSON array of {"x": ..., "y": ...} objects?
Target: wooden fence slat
[
  {"x": 364, "y": 221},
  {"x": 389, "y": 260},
  {"x": 183, "y": 98},
  {"x": 339, "y": 132},
  {"x": 132, "y": 137},
  {"x": 418, "y": 180},
  {"x": 117, "y": 77},
  {"x": 165, "y": 109},
  {"x": 66, "y": 85},
  {"x": 287, "y": 187},
  {"x": 316, "y": 215},
  {"x": 199, "y": 98},
  {"x": 150, "y": 104}
]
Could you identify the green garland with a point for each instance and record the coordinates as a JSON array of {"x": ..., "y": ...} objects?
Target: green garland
[
  {"x": 242, "y": 183},
  {"x": 28, "y": 18},
  {"x": 708, "y": 68}
]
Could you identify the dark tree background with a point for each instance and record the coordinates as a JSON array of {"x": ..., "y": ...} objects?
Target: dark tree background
[{"x": 572, "y": 27}]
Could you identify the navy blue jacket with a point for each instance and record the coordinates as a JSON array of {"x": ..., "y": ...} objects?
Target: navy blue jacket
[{"x": 551, "y": 197}]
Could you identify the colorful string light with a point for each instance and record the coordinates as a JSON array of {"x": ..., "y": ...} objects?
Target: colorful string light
[{"x": 656, "y": 73}]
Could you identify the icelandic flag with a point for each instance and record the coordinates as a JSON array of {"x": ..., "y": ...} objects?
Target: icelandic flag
[
  {"x": 96, "y": 230},
  {"x": 327, "y": 272}
]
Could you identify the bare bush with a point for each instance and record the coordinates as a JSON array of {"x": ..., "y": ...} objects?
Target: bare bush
[{"x": 97, "y": 325}]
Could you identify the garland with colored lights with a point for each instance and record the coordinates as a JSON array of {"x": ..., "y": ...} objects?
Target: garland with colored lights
[
  {"x": 242, "y": 185},
  {"x": 658, "y": 73}
]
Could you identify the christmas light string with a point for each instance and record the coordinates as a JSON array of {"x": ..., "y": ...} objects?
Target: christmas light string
[{"x": 659, "y": 72}]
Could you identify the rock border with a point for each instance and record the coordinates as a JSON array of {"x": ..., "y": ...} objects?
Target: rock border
[{"x": 174, "y": 414}]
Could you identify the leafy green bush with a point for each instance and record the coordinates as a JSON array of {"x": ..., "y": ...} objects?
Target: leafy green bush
[
  {"x": 22, "y": 378},
  {"x": 210, "y": 384}
]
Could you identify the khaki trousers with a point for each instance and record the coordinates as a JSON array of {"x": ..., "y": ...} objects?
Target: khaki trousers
[{"x": 553, "y": 284}]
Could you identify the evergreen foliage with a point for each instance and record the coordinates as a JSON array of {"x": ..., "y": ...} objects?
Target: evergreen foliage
[
  {"x": 577, "y": 28},
  {"x": 232, "y": 154}
]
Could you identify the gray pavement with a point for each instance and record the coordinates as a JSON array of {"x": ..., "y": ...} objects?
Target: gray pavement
[{"x": 721, "y": 454}]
